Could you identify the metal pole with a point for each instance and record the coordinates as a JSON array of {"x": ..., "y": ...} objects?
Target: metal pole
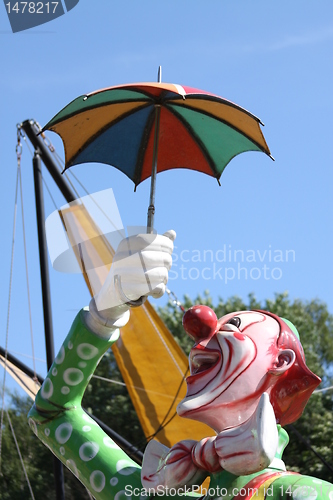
[
  {"x": 36, "y": 140},
  {"x": 151, "y": 208},
  {"x": 46, "y": 296},
  {"x": 21, "y": 366}
]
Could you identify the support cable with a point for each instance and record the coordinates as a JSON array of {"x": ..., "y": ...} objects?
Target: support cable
[
  {"x": 24, "y": 355},
  {"x": 20, "y": 456},
  {"x": 27, "y": 276},
  {"x": 165, "y": 420},
  {"x": 90, "y": 196},
  {"x": 61, "y": 165},
  {"x": 49, "y": 192},
  {"x": 323, "y": 390},
  {"x": 19, "y": 152},
  {"x": 308, "y": 445},
  {"x": 164, "y": 344},
  {"x": 117, "y": 382},
  {"x": 25, "y": 140}
]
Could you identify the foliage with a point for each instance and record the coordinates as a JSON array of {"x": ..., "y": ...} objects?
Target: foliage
[
  {"x": 38, "y": 461},
  {"x": 107, "y": 401},
  {"x": 110, "y": 402}
]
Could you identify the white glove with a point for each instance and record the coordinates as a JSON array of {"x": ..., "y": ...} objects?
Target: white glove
[{"x": 139, "y": 269}]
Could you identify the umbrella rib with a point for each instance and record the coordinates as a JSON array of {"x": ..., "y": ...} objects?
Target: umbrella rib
[
  {"x": 54, "y": 122},
  {"x": 143, "y": 147},
  {"x": 221, "y": 100},
  {"x": 146, "y": 93},
  {"x": 201, "y": 145},
  {"x": 203, "y": 112},
  {"x": 102, "y": 130}
]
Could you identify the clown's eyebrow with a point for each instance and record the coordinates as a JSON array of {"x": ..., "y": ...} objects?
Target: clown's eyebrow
[
  {"x": 243, "y": 327},
  {"x": 274, "y": 316}
]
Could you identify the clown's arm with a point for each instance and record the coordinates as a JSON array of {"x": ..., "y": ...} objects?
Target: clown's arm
[{"x": 140, "y": 268}]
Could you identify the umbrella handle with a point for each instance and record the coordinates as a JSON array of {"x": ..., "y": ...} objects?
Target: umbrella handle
[
  {"x": 151, "y": 208},
  {"x": 131, "y": 303}
]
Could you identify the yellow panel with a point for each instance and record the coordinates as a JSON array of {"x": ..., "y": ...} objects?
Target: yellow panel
[
  {"x": 239, "y": 119},
  {"x": 148, "y": 356},
  {"x": 150, "y": 360},
  {"x": 78, "y": 129},
  {"x": 28, "y": 385},
  {"x": 98, "y": 252}
]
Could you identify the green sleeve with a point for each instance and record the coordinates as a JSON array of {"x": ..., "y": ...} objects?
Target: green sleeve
[
  {"x": 59, "y": 422},
  {"x": 269, "y": 484},
  {"x": 301, "y": 487}
]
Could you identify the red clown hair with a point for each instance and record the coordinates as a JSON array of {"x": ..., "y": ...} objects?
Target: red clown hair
[{"x": 293, "y": 389}]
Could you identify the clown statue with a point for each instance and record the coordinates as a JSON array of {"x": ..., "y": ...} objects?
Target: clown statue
[{"x": 248, "y": 378}]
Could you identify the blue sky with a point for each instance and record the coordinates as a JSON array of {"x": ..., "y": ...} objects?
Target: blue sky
[{"x": 275, "y": 59}]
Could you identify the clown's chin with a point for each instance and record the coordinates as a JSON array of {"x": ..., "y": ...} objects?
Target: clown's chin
[
  {"x": 183, "y": 409},
  {"x": 217, "y": 416},
  {"x": 192, "y": 407}
]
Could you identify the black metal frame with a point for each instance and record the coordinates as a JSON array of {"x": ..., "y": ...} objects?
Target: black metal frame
[{"x": 43, "y": 154}]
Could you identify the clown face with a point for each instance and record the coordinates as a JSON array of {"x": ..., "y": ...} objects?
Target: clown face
[{"x": 232, "y": 368}]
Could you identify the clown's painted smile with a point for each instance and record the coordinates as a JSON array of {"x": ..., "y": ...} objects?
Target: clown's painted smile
[
  {"x": 214, "y": 365},
  {"x": 203, "y": 359}
]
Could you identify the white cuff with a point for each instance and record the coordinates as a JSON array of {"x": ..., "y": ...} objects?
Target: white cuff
[{"x": 104, "y": 326}]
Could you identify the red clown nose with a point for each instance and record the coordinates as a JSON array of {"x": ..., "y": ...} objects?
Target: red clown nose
[{"x": 200, "y": 322}]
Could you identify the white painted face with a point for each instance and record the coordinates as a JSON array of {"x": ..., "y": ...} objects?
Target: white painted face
[{"x": 229, "y": 370}]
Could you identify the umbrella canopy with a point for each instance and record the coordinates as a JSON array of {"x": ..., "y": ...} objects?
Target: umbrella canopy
[
  {"x": 197, "y": 130},
  {"x": 142, "y": 127}
]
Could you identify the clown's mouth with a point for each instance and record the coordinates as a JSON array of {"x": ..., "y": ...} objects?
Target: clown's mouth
[{"x": 203, "y": 361}]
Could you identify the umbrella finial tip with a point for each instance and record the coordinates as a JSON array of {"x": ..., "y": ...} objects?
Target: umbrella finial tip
[{"x": 159, "y": 74}]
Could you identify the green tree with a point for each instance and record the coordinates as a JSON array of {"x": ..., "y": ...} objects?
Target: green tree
[
  {"x": 38, "y": 461},
  {"x": 110, "y": 402}
]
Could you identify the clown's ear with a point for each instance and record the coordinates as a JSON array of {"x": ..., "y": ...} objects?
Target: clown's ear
[{"x": 285, "y": 360}]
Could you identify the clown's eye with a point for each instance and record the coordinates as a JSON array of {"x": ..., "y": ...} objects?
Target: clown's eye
[{"x": 235, "y": 321}]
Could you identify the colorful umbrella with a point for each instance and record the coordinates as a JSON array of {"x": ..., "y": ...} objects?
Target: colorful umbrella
[{"x": 131, "y": 126}]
